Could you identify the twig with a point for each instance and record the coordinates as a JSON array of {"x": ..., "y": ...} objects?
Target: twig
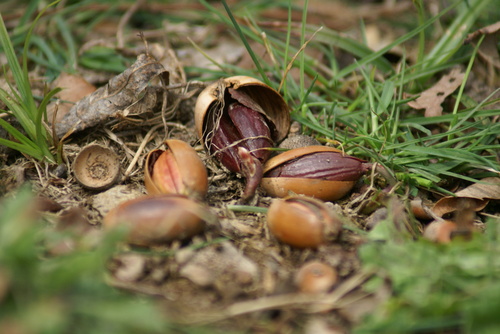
[{"x": 124, "y": 20}]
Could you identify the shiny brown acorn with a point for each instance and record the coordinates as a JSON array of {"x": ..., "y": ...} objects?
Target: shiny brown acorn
[
  {"x": 176, "y": 170},
  {"x": 238, "y": 119},
  {"x": 302, "y": 221},
  {"x": 318, "y": 171},
  {"x": 155, "y": 220},
  {"x": 315, "y": 277}
]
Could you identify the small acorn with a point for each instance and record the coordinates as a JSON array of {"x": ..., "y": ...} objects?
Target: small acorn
[
  {"x": 238, "y": 119},
  {"x": 176, "y": 170},
  {"x": 155, "y": 220},
  {"x": 318, "y": 171},
  {"x": 315, "y": 277},
  {"x": 302, "y": 221}
]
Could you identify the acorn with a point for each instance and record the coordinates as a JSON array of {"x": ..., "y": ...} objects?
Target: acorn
[
  {"x": 315, "y": 277},
  {"x": 155, "y": 220},
  {"x": 238, "y": 120},
  {"x": 176, "y": 170},
  {"x": 96, "y": 167},
  {"x": 302, "y": 222},
  {"x": 317, "y": 171}
]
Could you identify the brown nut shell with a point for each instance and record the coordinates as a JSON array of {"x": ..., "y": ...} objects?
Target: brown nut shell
[
  {"x": 269, "y": 100},
  {"x": 302, "y": 222},
  {"x": 326, "y": 190},
  {"x": 96, "y": 167},
  {"x": 154, "y": 220},
  {"x": 186, "y": 168}
]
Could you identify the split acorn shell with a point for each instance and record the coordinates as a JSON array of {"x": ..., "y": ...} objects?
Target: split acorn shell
[
  {"x": 155, "y": 220},
  {"x": 184, "y": 173},
  {"x": 271, "y": 102},
  {"x": 302, "y": 222},
  {"x": 327, "y": 190}
]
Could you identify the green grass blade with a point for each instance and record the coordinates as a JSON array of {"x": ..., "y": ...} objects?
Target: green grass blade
[
  {"x": 245, "y": 43},
  {"x": 453, "y": 38},
  {"x": 376, "y": 55}
]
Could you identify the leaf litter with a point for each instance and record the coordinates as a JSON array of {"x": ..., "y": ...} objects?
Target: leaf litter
[{"x": 431, "y": 99}]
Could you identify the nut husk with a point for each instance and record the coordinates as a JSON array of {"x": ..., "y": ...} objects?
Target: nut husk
[
  {"x": 269, "y": 100},
  {"x": 327, "y": 174},
  {"x": 176, "y": 170},
  {"x": 238, "y": 120}
]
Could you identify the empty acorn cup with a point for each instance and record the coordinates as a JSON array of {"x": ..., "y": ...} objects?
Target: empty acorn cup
[{"x": 96, "y": 167}]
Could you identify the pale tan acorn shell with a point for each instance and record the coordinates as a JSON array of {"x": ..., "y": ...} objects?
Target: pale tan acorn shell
[
  {"x": 325, "y": 190},
  {"x": 269, "y": 100},
  {"x": 191, "y": 168}
]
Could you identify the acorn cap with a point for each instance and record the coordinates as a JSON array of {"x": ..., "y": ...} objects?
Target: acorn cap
[{"x": 96, "y": 167}]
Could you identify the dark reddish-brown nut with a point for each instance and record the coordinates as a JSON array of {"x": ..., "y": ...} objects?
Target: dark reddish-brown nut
[
  {"x": 302, "y": 222},
  {"x": 318, "y": 171},
  {"x": 315, "y": 277},
  {"x": 154, "y": 220},
  {"x": 238, "y": 119},
  {"x": 176, "y": 170}
]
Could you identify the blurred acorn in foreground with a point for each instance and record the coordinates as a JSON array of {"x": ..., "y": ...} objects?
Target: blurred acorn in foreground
[
  {"x": 176, "y": 170},
  {"x": 238, "y": 119},
  {"x": 318, "y": 171},
  {"x": 302, "y": 221},
  {"x": 154, "y": 220},
  {"x": 315, "y": 277}
]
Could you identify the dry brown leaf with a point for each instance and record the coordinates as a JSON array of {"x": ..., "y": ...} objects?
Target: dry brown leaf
[
  {"x": 431, "y": 99},
  {"x": 475, "y": 197},
  {"x": 127, "y": 92}
]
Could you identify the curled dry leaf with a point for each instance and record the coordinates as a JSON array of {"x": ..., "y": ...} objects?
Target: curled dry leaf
[
  {"x": 475, "y": 197},
  {"x": 122, "y": 94},
  {"x": 431, "y": 99}
]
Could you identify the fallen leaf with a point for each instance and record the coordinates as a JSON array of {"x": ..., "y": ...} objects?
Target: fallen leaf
[
  {"x": 128, "y": 92},
  {"x": 431, "y": 99},
  {"x": 475, "y": 197}
]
